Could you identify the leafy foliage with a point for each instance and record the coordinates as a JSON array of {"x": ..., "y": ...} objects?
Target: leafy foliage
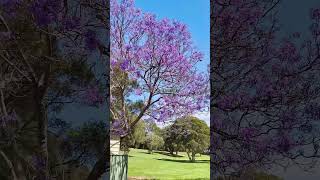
[
  {"x": 139, "y": 134},
  {"x": 154, "y": 142},
  {"x": 189, "y": 134}
]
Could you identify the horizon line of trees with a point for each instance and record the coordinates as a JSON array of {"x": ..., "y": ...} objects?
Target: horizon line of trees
[{"x": 188, "y": 134}]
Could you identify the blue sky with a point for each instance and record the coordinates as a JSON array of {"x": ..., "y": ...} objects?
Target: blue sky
[{"x": 196, "y": 15}]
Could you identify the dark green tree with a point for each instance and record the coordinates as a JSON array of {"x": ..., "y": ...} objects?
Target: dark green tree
[
  {"x": 190, "y": 134},
  {"x": 154, "y": 142},
  {"x": 139, "y": 134}
]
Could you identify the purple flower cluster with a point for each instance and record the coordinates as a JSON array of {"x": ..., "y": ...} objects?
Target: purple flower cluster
[
  {"x": 10, "y": 6},
  {"x": 46, "y": 12},
  {"x": 312, "y": 111},
  {"x": 119, "y": 127},
  {"x": 5, "y": 36},
  {"x": 284, "y": 144},
  {"x": 91, "y": 41},
  {"x": 240, "y": 100},
  {"x": 10, "y": 119},
  {"x": 161, "y": 50},
  {"x": 138, "y": 91},
  {"x": 71, "y": 23},
  {"x": 38, "y": 162},
  {"x": 248, "y": 133},
  {"x": 315, "y": 14},
  {"x": 93, "y": 96},
  {"x": 125, "y": 64},
  {"x": 289, "y": 52}
]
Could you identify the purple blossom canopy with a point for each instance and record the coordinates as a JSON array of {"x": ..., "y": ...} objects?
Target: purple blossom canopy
[{"x": 159, "y": 55}]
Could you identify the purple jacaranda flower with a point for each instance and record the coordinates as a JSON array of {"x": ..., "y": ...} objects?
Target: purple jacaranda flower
[
  {"x": 125, "y": 65},
  {"x": 288, "y": 51},
  {"x": 44, "y": 19},
  {"x": 5, "y": 36},
  {"x": 38, "y": 162},
  {"x": 138, "y": 74},
  {"x": 248, "y": 133},
  {"x": 93, "y": 96},
  {"x": 116, "y": 125},
  {"x": 227, "y": 102},
  {"x": 72, "y": 23},
  {"x": 261, "y": 146},
  {"x": 9, "y": 4},
  {"x": 113, "y": 63},
  {"x": 312, "y": 111},
  {"x": 45, "y": 12},
  {"x": 315, "y": 13},
  {"x": 91, "y": 41},
  {"x": 10, "y": 119},
  {"x": 288, "y": 119},
  {"x": 138, "y": 91},
  {"x": 119, "y": 127},
  {"x": 284, "y": 144}
]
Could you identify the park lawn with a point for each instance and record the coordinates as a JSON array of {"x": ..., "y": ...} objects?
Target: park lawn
[{"x": 159, "y": 165}]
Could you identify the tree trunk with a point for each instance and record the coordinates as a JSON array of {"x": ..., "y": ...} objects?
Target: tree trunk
[
  {"x": 103, "y": 163},
  {"x": 121, "y": 143},
  {"x": 101, "y": 166},
  {"x": 124, "y": 145},
  {"x": 42, "y": 117},
  {"x": 170, "y": 150},
  {"x": 9, "y": 163},
  {"x": 150, "y": 150},
  {"x": 193, "y": 154},
  {"x": 188, "y": 153},
  {"x": 43, "y": 139}
]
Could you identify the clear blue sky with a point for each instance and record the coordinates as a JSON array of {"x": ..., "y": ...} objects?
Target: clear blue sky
[{"x": 194, "y": 13}]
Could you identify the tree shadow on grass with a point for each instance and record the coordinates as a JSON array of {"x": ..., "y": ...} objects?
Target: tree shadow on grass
[
  {"x": 144, "y": 152},
  {"x": 141, "y": 178},
  {"x": 184, "y": 161},
  {"x": 168, "y": 154},
  {"x": 162, "y": 153}
]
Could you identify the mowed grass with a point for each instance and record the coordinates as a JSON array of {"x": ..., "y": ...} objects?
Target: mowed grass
[{"x": 161, "y": 165}]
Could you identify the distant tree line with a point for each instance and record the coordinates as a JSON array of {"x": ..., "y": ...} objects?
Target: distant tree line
[{"x": 188, "y": 134}]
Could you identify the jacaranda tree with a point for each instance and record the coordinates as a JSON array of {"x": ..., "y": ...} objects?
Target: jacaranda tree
[
  {"x": 153, "y": 65},
  {"x": 46, "y": 62},
  {"x": 264, "y": 89}
]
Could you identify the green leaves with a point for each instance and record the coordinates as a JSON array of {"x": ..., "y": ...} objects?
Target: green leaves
[
  {"x": 154, "y": 142},
  {"x": 188, "y": 133}
]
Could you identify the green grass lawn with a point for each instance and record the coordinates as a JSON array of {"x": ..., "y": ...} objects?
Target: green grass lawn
[{"x": 160, "y": 165}]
